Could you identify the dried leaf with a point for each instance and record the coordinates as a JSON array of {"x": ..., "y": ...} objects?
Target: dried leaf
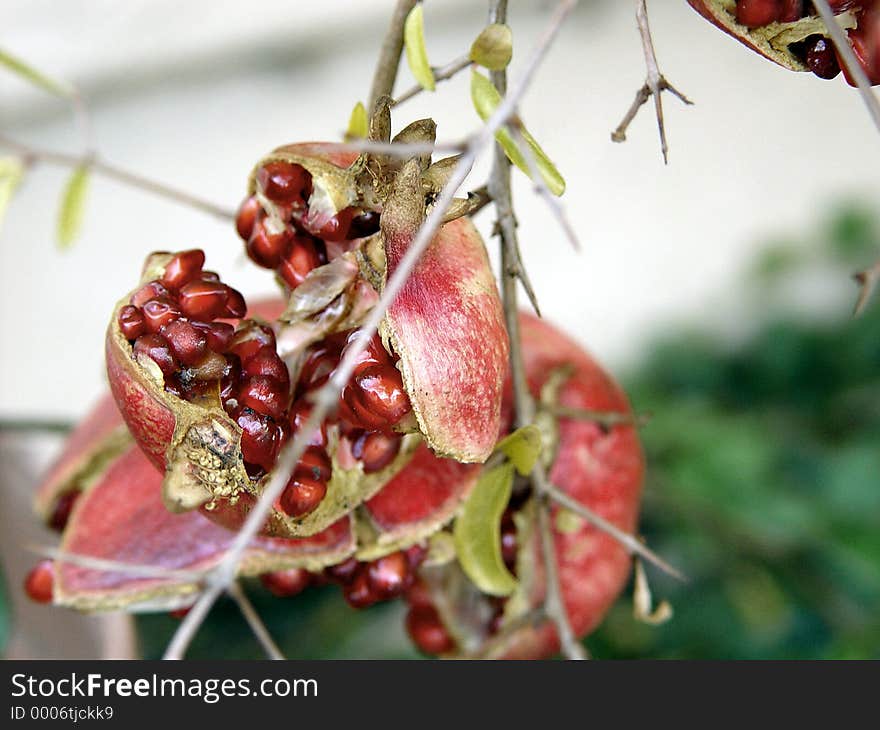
[
  {"x": 73, "y": 202},
  {"x": 19, "y": 67},
  {"x": 358, "y": 123},
  {"x": 486, "y": 99},
  {"x": 416, "y": 53},
  {"x": 11, "y": 174},
  {"x": 642, "y": 601},
  {"x": 493, "y": 48},
  {"x": 477, "y": 532},
  {"x": 522, "y": 447}
]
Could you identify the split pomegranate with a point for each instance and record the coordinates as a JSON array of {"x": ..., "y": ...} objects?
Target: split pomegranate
[{"x": 790, "y": 32}]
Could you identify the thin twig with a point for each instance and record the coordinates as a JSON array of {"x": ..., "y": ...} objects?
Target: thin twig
[
  {"x": 34, "y": 425},
  {"x": 541, "y": 189},
  {"x": 867, "y": 281},
  {"x": 103, "y": 565},
  {"x": 841, "y": 43},
  {"x": 328, "y": 396},
  {"x": 441, "y": 73},
  {"x": 633, "y": 545},
  {"x": 554, "y": 604},
  {"x": 236, "y": 592},
  {"x": 94, "y": 163},
  {"x": 655, "y": 85},
  {"x": 389, "y": 54}
]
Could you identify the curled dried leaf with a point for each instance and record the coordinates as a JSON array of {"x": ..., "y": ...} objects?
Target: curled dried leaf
[{"x": 642, "y": 601}]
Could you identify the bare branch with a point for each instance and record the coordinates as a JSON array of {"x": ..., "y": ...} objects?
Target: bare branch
[
  {"x": 389, "y": 55},
  {"x": 441, "y": 73},
  {"x": 236, "y": 592},
  {"x": 655, "y": 85},
  {"x": 94, "y": 163},
  {"x": 603, "y": 418},
  {"x": 328, "y": 396},
  {"x": 841, "y": 43},
  {"x": 867, "y": 280},
  {"x": 633, "y": 545}
]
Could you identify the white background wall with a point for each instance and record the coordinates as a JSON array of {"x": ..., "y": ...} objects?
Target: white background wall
[{"x": 192, "y": 93}]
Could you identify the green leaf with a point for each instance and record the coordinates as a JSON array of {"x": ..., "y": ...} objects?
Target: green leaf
[
  {"x": 477, "y": 532},
  {"x": 11, "y": 173},
  {"x": 486, "y": 99},
  {"x": 30, "y": 74},
  {"x": 493, "y": 48},
  {"x": 416, "y": 53},
  {"x": 358, "y": 123},
  {"x": 522, "y": 447},
  {"x": 73, "y": 202}
]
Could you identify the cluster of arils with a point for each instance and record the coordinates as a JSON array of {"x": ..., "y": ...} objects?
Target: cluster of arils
[
  {"x": 789, "y": 32},
  {"x": 280, "y": 234},
  {"x": 176, "y": 322}
]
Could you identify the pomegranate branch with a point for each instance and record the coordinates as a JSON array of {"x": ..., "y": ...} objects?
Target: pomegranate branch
[{"x": 389, "y": 55}]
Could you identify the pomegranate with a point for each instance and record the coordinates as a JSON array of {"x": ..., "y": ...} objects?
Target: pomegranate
[{"x": 790, "y": 32}]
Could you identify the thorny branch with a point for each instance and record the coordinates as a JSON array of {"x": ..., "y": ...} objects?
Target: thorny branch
[
  {"x": 94, "y": 163},
  {"x": 841, "y": 43},
  {"x": 524, "y": 405},
  {"x": 224, "y": 574},
  {"x": 655, "y": 85}
]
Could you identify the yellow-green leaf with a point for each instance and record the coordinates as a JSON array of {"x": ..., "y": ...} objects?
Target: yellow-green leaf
[
  {"x": 477, "y": 532},
  {"x": 416, "y": 53},
  {"x": 28, "y": 73},
  {"x": 642, "y": 601},
  {"x": 522, "y": 447},
  {"x": 358, "y": 123},
  {"x": 493, "y": 48},
  {"x": 486, "y": 99},
  {"x": 73, "y": 202},
  {"x": 11, "y": 173}
]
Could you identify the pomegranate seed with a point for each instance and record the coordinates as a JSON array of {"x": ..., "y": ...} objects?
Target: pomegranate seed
[
  {"x": 425, "y": 628},
  {"x": 158, "y": 313},
  {"x": 286, "y": 583},
  {"x": 212, "y": 367},
  {"x": 757, "y": 13},
  {"x": 187, "y": 343},
  {"x": 358, "y": 593},
  {"x": 388, "y": 575},
  {"x": 415, "y": 555},
  {"x": 39, "y": 583},
  {"x": 375, "y": 399},
  {"x": 235, "y": 305},
  {"x": 375, "y": 450},
  {"x": 204, "y": 300},
  {"x": 131, "y": 322},
  {"x": 283, "y": 182},
  {"x": 337, "y": 228},
  {"x": 299, "y": 414},
  {"x": 344, "y": 572},
  {"x": 180, "y": 613},
  {"x": 230, "y": 380},
  {"x": 418, "y": 594},
  {"x": 209, "y": 276},
  {"x": 265, "y": 247},
  {"x": 508, "y": 544},
  {"x": 218, "y": 335},
  {"x": 302, "y": 496},
  {"x": 316, "y": 369},
  {"x": 791, "y": 11},
  {"x": 260, "y": 439},
  {"x": 314, "y": 464},
  {"x": 183, "y": 268},
  {"x": 155, "y": 347},
  {"x": 300, "y": 259},
  {"x": 365, "y": 224},
  {"x": 821, "y": 59},
  {"x": 373, "y": 354},
  {"x": 248, "y": 212},
  {"x": 266, "y": 362},
  {"x": 264, "y": 395},
  {"x": 250, "y": 338},
  {"x": 147, "y": 292},
  {"x": 62, "y": 509}
]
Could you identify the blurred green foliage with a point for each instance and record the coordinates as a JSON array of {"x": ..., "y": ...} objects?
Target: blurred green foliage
[{"x": 763, "y": 486}]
